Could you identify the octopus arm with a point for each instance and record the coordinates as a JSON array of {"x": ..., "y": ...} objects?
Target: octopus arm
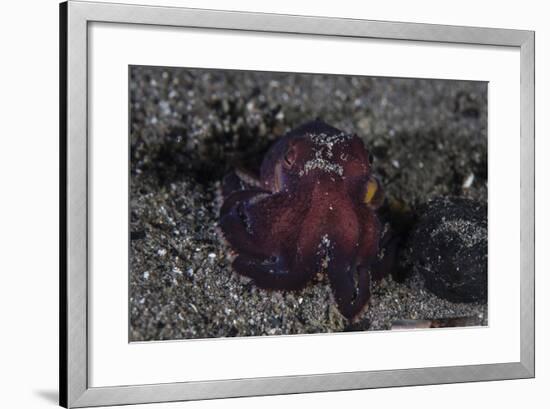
[
  {"x": 236, "y": 222},
  {"x": 355, "y": 246},
  {"x": 264, "y": 229},
  {"x": 238, "y": 180},
  {"x": 271, "y": 273}
]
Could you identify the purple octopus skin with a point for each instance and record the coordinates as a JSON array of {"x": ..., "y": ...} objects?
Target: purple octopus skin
[{"x": 312, "y": 210}]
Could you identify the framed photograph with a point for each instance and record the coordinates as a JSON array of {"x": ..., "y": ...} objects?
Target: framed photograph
[{"x": 258, "y": 204}]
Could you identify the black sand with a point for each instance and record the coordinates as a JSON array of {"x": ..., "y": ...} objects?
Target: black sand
[{"x": 189, "y": 127}]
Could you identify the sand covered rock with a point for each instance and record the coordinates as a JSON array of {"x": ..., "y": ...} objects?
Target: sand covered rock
[{"x": 448, "y": 247}]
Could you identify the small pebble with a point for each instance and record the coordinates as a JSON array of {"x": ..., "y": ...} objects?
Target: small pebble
[{"x": 468, "y": 181}]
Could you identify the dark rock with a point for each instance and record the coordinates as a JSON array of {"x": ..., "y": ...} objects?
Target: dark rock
[
  {"x": 467, "y": 105},
  {"x": 137, "y": 235},
  {"x": 448, "y": 247}
]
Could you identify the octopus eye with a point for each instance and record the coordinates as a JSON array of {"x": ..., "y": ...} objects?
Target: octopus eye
[
  {"x": 371, "y": 158},
  {"x": 289, "y": 158}
]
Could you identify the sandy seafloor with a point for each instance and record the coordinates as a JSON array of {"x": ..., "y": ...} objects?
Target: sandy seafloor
[{"x": 190, "y": 126}]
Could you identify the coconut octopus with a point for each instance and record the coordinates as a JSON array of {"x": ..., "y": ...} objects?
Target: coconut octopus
[{"x": 313, "y": 209}]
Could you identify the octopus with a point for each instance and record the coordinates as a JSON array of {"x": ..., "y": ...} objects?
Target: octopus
[{"x": 312, "y": 209}]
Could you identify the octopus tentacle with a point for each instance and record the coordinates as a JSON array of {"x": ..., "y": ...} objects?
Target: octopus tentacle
[
  {"x": 238, "y": 180},
  {"x": 349, "y": 269},
  {"x": 272, "y": 272},
  {"x": 263, "y": 229},
  {"x": 351, "y": 287}
]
